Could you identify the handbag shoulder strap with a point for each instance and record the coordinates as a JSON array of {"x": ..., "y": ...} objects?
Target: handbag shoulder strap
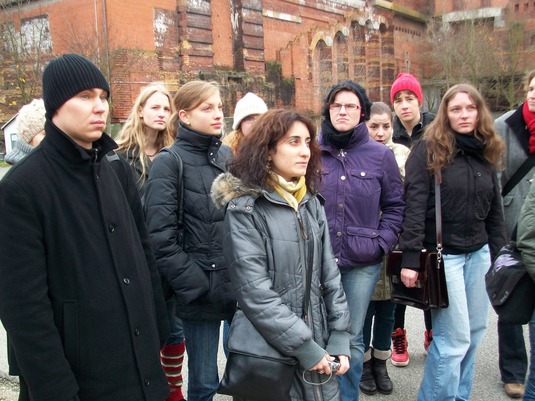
[
  {"x": 438, "y": 211},
  {"x": 518, "y": 174}
]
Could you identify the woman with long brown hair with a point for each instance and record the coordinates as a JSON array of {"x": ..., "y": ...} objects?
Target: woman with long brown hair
[{"x": 463, "y": 147}]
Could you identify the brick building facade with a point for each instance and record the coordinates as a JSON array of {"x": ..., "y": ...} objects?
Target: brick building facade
[{"x": 287, "y": 51}]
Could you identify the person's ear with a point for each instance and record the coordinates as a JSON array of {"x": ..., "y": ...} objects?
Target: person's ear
[{"x": 184, "y": 117}]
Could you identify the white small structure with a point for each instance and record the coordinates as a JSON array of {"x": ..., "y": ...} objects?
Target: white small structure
[{"x": 10, "y": 135}]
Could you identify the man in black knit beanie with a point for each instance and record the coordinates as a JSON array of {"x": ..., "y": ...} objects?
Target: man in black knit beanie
[{"x": 80, "y": 296}]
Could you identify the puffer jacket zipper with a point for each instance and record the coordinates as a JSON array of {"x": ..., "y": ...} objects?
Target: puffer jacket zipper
[{"x": 307, "y": 270}]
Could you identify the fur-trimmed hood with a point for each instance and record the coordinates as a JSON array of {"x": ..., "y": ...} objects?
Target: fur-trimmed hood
[{"x": 227, "y": 187}]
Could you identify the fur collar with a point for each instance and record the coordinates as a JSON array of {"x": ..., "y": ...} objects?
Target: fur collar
[{"x": 227, "y": 187}]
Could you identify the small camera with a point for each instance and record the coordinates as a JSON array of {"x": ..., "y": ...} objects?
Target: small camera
[{"x": 334, "y": 365}]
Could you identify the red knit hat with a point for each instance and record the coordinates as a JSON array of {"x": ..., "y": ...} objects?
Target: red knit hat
[{"x": 406, "y": 82}]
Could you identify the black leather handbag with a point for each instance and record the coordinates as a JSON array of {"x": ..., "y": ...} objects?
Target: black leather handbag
[
  {"x": 431, "y": 291},
  {"x": 255, "y": 370}
]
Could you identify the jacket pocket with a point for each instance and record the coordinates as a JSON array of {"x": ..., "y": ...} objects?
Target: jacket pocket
[
  {"x": 70, "y": 333},
  {"x": 363, "y": 245},
  {"x": 220, "y": 289},
  {"x": 364, "y": 183}
]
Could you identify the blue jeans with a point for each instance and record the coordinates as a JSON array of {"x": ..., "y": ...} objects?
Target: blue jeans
[
  {"x": 529, "y": 394},
  {"x": 175, "y": 323},
  {"x": 202, "y": 345},
  {"x": 457, "y": 330},
  {"x": 513, "y": 358},
  {"x": 359, "y": 284},
  {"x": 383, "y": 325}
]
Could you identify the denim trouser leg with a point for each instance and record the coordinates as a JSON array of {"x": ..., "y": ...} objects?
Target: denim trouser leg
[
  {"x": 202, "y": 342},
  {"x": 383, "y": 325},
  {"x": 513, "y": 359},
  {"x": 367, "y": 328},
  {"x": 175, "y": 323},
  {"x": 226, "y": 328},
  {"x": 457, "y": 330},
  {"x": 529, "y": 394},
  {"x": 380, "y": 321},
  {"x": 359, "y": 284}
]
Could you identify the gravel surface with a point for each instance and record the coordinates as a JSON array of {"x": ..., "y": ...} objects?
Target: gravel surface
[{"x": 9, "y": 389}]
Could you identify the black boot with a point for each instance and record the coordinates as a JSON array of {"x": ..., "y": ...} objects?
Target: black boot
[
  {"x": 367, "y": 381},
  {"x": 382, "y": 380}
]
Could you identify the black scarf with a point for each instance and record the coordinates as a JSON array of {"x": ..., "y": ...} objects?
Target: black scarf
[
  {"x": 333, "y": 136},
  {"x": 470, "y": 145}
]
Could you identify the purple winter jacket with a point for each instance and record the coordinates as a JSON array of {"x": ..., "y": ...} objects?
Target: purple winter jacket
[{"x": 364, "y": 199}]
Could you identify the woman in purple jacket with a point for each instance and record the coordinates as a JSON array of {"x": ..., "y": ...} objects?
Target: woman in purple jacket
[{"x": 364, "y": 206}]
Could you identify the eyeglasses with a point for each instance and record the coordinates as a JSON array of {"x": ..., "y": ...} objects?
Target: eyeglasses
[{"x": 350, "y": 107}]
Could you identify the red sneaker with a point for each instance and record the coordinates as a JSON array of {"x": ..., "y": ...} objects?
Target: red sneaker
[{"x": 400, "y": 345}]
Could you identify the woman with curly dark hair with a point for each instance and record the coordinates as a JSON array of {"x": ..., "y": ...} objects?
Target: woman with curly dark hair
[{"x": 276, "y": 238}]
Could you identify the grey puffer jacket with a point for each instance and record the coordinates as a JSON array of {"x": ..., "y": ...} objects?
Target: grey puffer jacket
[
  {"x": 269, "y": 248},
  {"x": 512, "y": 128}
]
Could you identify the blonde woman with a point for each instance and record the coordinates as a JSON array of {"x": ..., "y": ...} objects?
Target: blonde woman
[
  {"x": 195, "y": 266},
  {"x": 147, "y": 130}
]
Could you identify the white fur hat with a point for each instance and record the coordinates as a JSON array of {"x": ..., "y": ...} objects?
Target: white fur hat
[
  {"x": 31, "y": 120},
  {"x": 248, "y": 105}
]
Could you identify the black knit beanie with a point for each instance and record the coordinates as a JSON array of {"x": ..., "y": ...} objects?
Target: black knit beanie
[
  {"x": 351, "y": 86},
  {"x": 67, "y": 76}
]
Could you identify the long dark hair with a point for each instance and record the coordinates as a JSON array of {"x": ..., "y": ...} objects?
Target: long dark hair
[
  {"x": 441, "y": 139},
  {"x": 251, "y": 163}
]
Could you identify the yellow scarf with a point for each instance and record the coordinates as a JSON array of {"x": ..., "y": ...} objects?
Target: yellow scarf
[{"x": 292, "y": 192}]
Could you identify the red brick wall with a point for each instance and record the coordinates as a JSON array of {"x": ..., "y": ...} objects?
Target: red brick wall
[{"x": 178, "y": 40}]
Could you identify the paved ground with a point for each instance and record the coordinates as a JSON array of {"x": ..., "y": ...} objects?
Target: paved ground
[{"x": 487, "y": 384}]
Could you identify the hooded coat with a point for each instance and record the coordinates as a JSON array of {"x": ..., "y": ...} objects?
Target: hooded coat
[
  {"x": 270, "y": 249},
  {"x": 80, "y": 294}
]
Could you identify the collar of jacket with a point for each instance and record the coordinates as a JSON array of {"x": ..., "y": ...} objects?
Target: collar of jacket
[
  {"x": 517, "y": 124},
  {"x": 359, "y": 136},
  {"x": 400, "y": 131},
  {"x": 227, "y": 187},
  {"x": 56, "y": 140},
  {"x": 196, "y": 139},
  {"x": 132, "y": 156}
]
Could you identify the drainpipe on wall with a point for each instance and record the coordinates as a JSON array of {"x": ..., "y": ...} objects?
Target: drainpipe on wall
[{"x": 106, "y": 42}]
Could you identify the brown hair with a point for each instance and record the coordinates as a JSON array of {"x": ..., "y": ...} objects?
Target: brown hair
[
  {"x": 529, "y": 77},
  {"x": 192, "y": 94},
  {"x": 381, "y": 108},
  {"x": 441, "y": 139},
  {"x": 251, "y": 163}
]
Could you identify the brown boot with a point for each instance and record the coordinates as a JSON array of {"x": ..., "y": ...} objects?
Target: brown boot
[{"x": 171, "y": 358}]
